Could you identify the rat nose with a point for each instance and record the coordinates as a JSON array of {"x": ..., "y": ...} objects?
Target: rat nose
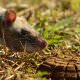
[{"x": 42, "y": 44}]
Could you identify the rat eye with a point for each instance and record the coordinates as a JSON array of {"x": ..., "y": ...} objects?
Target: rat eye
[
  {"x": 10, "y": 16},
  {"x": 24, "y": 33}
]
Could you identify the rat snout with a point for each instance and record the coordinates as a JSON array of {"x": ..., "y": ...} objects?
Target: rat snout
[{"x": 42, "y": 43}]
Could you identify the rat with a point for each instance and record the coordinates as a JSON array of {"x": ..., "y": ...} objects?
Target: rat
[{"x": 18, "y": 34}]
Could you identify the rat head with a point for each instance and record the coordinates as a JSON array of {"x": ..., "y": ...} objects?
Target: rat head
[
  {"x": 20, "y": 36},
  {"x": 26, "y": 36}
]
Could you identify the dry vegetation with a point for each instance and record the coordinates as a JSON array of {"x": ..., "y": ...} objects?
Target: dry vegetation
[{"x": 58, "y": 21}]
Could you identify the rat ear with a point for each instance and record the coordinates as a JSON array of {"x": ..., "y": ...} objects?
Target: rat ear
[{"x": 10, "y": 16}]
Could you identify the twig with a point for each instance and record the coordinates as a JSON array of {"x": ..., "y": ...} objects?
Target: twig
[
  {"x": 19, "y": 66},
  {"x": 10, "y": 77}
]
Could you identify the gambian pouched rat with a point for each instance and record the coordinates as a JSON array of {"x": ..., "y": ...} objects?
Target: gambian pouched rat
[{"x": 18, "y": 34}]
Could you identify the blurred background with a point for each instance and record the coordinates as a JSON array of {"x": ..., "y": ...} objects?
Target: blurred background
[{"x": 73, "y": 4}]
